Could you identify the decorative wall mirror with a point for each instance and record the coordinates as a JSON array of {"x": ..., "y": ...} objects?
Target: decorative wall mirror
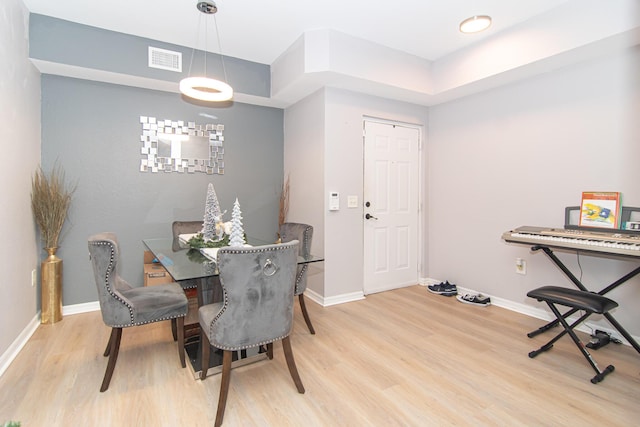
[{"x": 176, "y": 146}]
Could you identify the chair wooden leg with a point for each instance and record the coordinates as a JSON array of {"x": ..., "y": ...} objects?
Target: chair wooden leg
[
  {"x": 112, "y": 352},
  {"x": 270, "y": 350},
  {"x": 174, "y": 329},
  {"x": 227, "y": 356},
  {"x": 204, "y": 356},
  {"x": 291, "y": 364},
  {"x": 180, "y": 330},
  {"x": 106, "y": 350},
  {"x": 305, "y": 314}
]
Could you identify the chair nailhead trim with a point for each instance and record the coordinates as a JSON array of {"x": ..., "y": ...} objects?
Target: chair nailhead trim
[
  {"x": 106, "y": 280},
  {"x": 115, "y": 296},
  {"x": 226, "y": 301},
  {"x": 305, "y": 250},
  {"x": 144, "y": 323},
  {"x": 244, "y": 347},
  {"x": 252, "y": 250},
  {"x": 299, "y": 276},
  {"x": 306, "y": 239}
]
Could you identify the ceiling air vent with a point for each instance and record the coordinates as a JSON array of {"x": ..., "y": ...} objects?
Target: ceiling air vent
[{"x": 165, "y": 59}]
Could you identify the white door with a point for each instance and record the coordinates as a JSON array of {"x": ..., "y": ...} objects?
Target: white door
[{"x": 391, "y": 202}]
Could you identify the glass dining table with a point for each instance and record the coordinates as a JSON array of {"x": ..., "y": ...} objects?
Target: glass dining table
[{"x": 187, "y": 264}]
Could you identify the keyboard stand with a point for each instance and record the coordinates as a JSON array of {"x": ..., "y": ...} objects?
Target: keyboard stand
[{"x": 580, "y": 286}]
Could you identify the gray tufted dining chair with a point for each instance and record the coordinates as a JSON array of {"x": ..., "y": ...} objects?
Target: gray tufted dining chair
[
  {"x": 185, "y": 227},
  {"x": 302, "y": 233},
  {"x": 123, "y": 305},
  {"x": 257, "y": 308}
]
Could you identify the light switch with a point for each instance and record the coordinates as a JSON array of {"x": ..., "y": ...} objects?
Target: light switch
[{"x": 352, "y": 201}]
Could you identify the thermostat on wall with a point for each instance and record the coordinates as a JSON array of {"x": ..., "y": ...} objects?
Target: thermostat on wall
[{"x": 334, "y": 201}]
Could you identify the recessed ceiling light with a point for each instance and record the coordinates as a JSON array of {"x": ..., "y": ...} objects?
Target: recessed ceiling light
[{"x": 475, "y": 24}]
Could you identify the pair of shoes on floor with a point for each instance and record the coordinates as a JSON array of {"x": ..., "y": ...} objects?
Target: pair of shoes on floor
[
  {"x": 479, "y": 299},
  {"x": 443, "y": 288}
]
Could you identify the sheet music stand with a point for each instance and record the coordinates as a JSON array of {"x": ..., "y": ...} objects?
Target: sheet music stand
[{"x": 572, "y": 214}]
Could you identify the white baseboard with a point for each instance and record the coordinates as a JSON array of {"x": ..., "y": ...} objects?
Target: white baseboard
[
  {"x": 425, "y": 281},
  {"x": 339, "y": 299},
  {"x": 21, "y": 340},
  {"x": 541, "y": 313},
  {"x": 80, "y": 308},
  {"x": 390, "y": 288},
  {"x": 12, "y": 352},
  {"x": 313, "y": 296}
]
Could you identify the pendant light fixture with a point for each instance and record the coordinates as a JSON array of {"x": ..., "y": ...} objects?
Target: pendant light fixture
[
  {"x": 475, "y": 24},
  {"x": 205, "y": 88}
]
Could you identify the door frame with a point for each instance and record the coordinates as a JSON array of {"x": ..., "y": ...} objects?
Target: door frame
[{"x": 421, "y": 187}]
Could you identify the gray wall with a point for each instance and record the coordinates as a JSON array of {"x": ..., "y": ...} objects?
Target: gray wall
[
  {"x": 93, "y": 130},
  {"x": 69, "y": 43},
  {"x": 304, "y": 159}
]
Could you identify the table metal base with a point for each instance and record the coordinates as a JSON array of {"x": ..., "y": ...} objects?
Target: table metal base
[{"x": 193, "y": 352}]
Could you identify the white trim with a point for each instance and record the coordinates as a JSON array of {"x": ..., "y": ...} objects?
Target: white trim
[
  {"x": 21, "y": 340},
  {"x": 425, "y": 281},
  {"x": 81, "y": 308},
  {"x": 390, "y": 287},
  {"x": 314, "y": 296},
  {"x": 538, "y": 313},
  {"x": 392, "y": 122},
  {"x": 73, "y": 71},
  {"x": 338, "y": 299},
  {"x": 541, "y": 313}
]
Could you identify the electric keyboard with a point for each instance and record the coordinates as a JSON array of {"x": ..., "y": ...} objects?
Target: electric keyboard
[{"x": 617, "y": 242}]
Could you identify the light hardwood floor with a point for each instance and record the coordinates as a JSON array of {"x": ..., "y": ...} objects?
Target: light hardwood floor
[{"x": 404, "y": 357}]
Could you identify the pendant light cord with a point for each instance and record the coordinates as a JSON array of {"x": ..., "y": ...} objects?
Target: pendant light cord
[
  {"x": 206, "y": 88},
  {"x": 193, "y": 50},
  {"x": 224, "y": 68}
]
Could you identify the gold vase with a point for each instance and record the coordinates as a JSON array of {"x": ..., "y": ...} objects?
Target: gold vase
[{"x": 51, "y": 283}]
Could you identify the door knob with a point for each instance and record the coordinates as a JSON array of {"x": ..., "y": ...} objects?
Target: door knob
[{"x": 368, "y": 216}]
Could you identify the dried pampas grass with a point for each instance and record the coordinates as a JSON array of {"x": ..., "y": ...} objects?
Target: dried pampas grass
[
  {"x": 50, "y": 200},
  {"x": 284, "y": 203}
]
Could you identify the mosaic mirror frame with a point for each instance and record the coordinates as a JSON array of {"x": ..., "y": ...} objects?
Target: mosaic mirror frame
[{"x": 178, "y": 146}]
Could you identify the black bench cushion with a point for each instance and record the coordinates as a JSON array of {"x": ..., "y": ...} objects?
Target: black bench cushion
[{"x": 582, "y": 300}]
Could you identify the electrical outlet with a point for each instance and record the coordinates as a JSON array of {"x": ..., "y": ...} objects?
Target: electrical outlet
[
  {"x": 34, "y": 277},
  {"x": 521, "y": 266}
]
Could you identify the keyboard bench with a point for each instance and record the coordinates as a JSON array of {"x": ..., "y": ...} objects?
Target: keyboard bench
[{"x": 576, "y": 299}]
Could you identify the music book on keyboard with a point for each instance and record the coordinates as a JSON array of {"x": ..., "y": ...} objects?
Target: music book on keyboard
[{"x": 600, "y": 209}]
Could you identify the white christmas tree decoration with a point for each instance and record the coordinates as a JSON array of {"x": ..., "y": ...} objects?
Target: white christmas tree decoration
[
  {"x": 212, "y": 215},
  {"x": 237, "y": 232}
]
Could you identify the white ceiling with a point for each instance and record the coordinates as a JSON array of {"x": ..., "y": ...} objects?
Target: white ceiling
[
  {"x": 260, "y": 31},
  {"x": 405, "y": 50}
]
